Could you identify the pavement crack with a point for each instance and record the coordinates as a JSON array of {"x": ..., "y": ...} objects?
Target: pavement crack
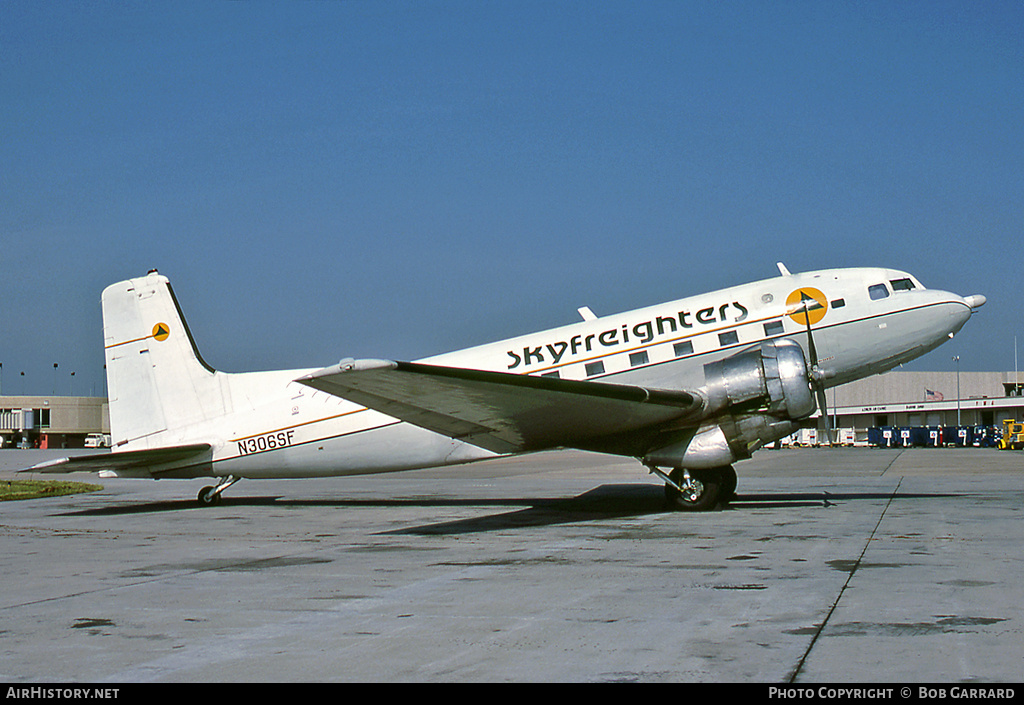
[
  {"x": 853, "y": 571},
  {"x": 893, "y": 462}
]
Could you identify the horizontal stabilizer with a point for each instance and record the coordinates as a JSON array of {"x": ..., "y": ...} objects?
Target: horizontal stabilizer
[
  {"x": 125, "y": 460},
  {"x": 499, "y": 411}
]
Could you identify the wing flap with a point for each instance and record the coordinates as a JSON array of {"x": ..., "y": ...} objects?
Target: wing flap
[
  {"x": 124, "y": 460},
  {"x": 499, "y": 411}
]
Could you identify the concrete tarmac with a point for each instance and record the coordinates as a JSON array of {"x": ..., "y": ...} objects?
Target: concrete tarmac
[{"x": 833, "y": 566}]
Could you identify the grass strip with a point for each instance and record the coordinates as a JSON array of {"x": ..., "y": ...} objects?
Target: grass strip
[{"x": 11, "y": 490}]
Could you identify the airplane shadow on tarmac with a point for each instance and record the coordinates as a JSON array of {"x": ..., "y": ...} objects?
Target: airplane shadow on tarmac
[{"x": 604, "y": 502}]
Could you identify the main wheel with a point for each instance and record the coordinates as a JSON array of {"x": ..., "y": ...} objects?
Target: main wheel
[
  {"x": 700, "y": 492},
  {"x": 728, "y": 492}
]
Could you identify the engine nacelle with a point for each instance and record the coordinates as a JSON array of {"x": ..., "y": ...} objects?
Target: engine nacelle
[
  {"x": 754, "y": 397},
  {"x": 772, "y": 376},
  {"x": 720, "y": 444}
]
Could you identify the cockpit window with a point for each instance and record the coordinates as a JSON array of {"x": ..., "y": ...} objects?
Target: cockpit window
[
  {"x": 902, "y": 284},
  {"x": 878, "y": 291}
]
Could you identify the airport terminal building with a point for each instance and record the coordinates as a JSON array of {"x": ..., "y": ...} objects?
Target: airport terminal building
[
  {"x": 904, "y": 400},
  {"x": 51, "y": 421},
  {"x": 896, "y": 399}
]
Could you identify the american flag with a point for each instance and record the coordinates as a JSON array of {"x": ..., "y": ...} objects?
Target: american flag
[{"x": 929, "y": 395}]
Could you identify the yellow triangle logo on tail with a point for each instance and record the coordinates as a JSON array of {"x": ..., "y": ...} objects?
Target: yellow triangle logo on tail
[{"x": 161, "y": 331}]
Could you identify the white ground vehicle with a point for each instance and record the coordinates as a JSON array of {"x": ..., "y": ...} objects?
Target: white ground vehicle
[{"x": 97, "y": 440}]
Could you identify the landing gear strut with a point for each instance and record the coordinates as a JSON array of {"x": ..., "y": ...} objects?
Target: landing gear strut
[
  {"x": 698, "y": 490},
  {"x": 210, "y": 496}
]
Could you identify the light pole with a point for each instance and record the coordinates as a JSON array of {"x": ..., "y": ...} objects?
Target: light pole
[{"x": 956, "y": 359}]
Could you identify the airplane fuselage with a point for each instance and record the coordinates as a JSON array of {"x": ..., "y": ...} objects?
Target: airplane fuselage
[{"x": 864, "y": 321}]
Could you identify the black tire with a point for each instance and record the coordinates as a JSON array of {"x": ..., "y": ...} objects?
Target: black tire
[
  {"x": 208, "y": 498},
  {"x": 728, "y": 478},
  {"x": 702, "y": 495}
]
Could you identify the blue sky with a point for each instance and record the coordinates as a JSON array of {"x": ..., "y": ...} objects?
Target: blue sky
[{"x": 398, "y": 179}]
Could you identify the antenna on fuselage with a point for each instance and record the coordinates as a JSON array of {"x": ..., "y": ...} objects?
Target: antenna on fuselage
[{"x": 782, "y": 269}]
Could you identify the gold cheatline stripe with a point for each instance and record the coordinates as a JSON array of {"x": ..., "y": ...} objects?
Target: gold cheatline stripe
[
  {"x": 126, "y": 342},
  {"x": 300, "y": 425}
]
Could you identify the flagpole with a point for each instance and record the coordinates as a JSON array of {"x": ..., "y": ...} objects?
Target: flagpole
[{"x": 956, "y": 359}]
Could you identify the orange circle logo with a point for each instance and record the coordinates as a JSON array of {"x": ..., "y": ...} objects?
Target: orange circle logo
[
  {"x": 806, "y": 306},
  {"x": 161, "y": 331}
]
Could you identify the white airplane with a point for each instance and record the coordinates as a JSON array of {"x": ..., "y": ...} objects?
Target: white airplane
[{"x": 688, "y": 387}]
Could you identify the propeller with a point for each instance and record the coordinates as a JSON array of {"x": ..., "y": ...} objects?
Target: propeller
[{"x": 816, "y": 374}]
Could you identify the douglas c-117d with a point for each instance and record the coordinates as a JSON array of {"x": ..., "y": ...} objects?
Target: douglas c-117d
[{"x": 688, "y": 388}]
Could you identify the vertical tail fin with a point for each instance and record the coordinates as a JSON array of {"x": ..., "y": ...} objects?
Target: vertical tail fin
[{"x": 157, "y": 383}]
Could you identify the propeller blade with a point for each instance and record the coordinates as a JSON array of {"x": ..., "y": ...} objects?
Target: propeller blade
[
  {"x": 811, "y": 349},
  {"x": 817, "y": 383},
  {"x": 819, "y": 391}
]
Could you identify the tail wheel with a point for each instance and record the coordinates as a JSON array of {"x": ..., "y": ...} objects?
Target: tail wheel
[
  {"x": 701, "y": 489},
  {"x": 209, "y": 497}
]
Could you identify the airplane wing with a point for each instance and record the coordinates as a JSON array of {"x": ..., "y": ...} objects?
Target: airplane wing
[
  {"x": 505, "y": 412},
  {"x": 125, "y": 460}
]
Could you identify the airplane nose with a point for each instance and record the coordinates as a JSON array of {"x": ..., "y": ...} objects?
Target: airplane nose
[{"x": 975, "y": 301}]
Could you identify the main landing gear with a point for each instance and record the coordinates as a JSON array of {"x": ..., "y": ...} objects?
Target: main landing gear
[
  {"x": 210, "y": 496},
  {"x": 698, "y": 490}
]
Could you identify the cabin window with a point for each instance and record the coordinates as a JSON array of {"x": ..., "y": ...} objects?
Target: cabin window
[
  {"x": 902, "y": 284},
  {"x": 878, "y": 291},
  {"x": 774, "y": 328},
  {"x": 551, "y": 374},
  {"x": 729, "y": 337},
  {"x": 595, "y": 368},
  {"x": 638, "y": 358},
  {"x": 838, "y": 303},
  {"x": 682, "y": 348}
]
